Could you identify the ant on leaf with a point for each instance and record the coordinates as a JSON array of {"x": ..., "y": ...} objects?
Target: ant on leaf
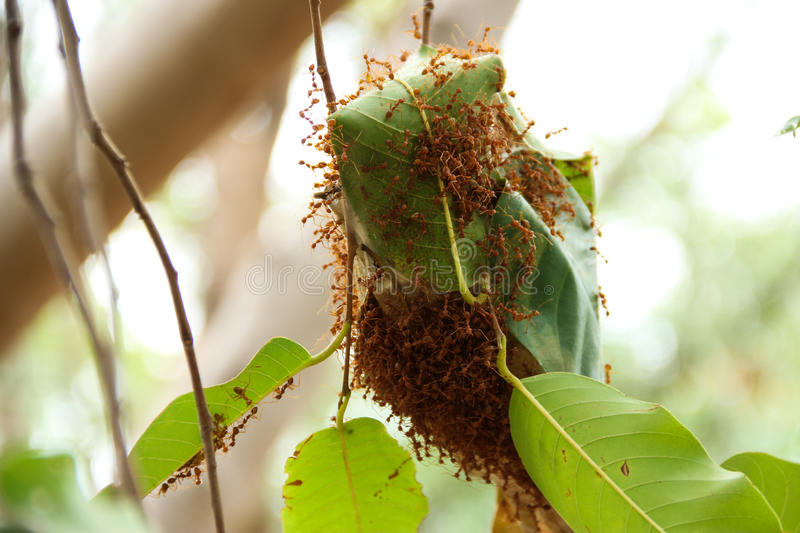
[{"x": 239, "y": 393}]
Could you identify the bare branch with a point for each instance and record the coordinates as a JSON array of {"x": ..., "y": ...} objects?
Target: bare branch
[
  {"x": 104, "y": 357},
  {"x": 120, "y": 165},
  {"x": 427, "y": 11},
  {"x": 319, "y": 48}
]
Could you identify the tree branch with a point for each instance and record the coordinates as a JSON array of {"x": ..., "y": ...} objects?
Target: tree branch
[
  {"x": 427, "y": 11},
  {"x": 103, "y": 355},
  {"x": 319, "y": 49},
  {"x": 330, "y": 97},
  {"x": 188, "y": 67},
  {"x": 119, "y": 164}
]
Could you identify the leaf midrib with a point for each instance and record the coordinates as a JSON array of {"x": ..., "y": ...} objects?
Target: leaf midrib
[{"x": 584, "y": 456}]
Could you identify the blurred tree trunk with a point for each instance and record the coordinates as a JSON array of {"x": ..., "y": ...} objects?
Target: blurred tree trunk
[{"x": 161, "y": 88}]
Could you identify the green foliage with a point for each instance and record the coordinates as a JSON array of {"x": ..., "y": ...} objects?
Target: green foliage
[
  {"x": 354, "y": 479},
  {"x": 359, "y": 139},
  {"x": 608, "y": 462},
  {"x": 579, "y": 171},
  {"x": 603, "y": 460},
  {"x": 173, "y": 438},
  {"x": 778, "y": 481},
  {"x": 564, "y": 336},
  {"x": 39, "y": 493},
  {"x": 791, "y": 126},
  {"x": 376, "y": 180}
]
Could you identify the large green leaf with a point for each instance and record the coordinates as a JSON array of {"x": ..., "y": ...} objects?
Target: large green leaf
[
  {"x": 173, "y": 438},
  {"x": 358, "y": 479},
  {"x": 398, "y": 216},
  {"x": 564, "y": 336},
  {"x": 40, "y": 493},
  {"x": 607, "y": 462},
  {"x": 778, "y": 481}
]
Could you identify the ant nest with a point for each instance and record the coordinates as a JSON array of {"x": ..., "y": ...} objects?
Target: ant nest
[{"x": 429, "y": 356}]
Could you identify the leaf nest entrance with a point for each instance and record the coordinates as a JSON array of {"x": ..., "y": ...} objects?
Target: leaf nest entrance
[{"x": 433, "y": 363}]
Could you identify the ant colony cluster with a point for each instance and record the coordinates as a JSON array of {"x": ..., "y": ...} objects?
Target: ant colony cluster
[{"x": 442, "y": 143}]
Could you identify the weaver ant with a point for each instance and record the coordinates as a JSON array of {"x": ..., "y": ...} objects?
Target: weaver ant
[{"x": 239, "y": 393}]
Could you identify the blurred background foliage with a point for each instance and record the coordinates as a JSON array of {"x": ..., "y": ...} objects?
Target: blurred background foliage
[{"x": 698, "y": 208}]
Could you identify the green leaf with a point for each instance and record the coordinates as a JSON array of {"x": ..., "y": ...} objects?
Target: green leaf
[
  {"x": 607, "y": 462},
  {"x": 372, "y": 490},
  {"x": 791, "y": 126},
  {"x": 778, "y": 481},
  {"x": 579, "y": 171},
  {"x": 577, "y": 227},
  {"x": 564, "y": 336},
  {"x": 412, "y": 239},
  {"x": 40, "y": 493},
  {"x": 173, "y": 438},
  {"x": 579, "y": 242}
]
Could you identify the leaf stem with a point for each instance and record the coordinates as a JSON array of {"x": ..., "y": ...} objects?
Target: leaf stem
[
  {"x": 332, "y": 347},
  {"x": 462, "y": 283},
  {"x": 448, "y": 219},
  {"x": 515, "y": 382},
  {"x": 345, "y": 400}
]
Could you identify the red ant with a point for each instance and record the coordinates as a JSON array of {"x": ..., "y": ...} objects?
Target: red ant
[{"x": 239, "y": 393}]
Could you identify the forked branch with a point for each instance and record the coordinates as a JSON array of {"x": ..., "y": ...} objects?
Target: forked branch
[
  {"x": 104, "y": 357},
  {"x": 98, "y": 136}
]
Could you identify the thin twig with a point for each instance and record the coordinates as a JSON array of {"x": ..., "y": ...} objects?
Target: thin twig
[
  {"x": 46, "y": 227},
  {"x": 427, "y": 10},
  {"x": 319, "y": 49},
  {"x": 330, "y": 97},
  {"x": 348, "y": 316},
  {"x": 120, "y": 166}
]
